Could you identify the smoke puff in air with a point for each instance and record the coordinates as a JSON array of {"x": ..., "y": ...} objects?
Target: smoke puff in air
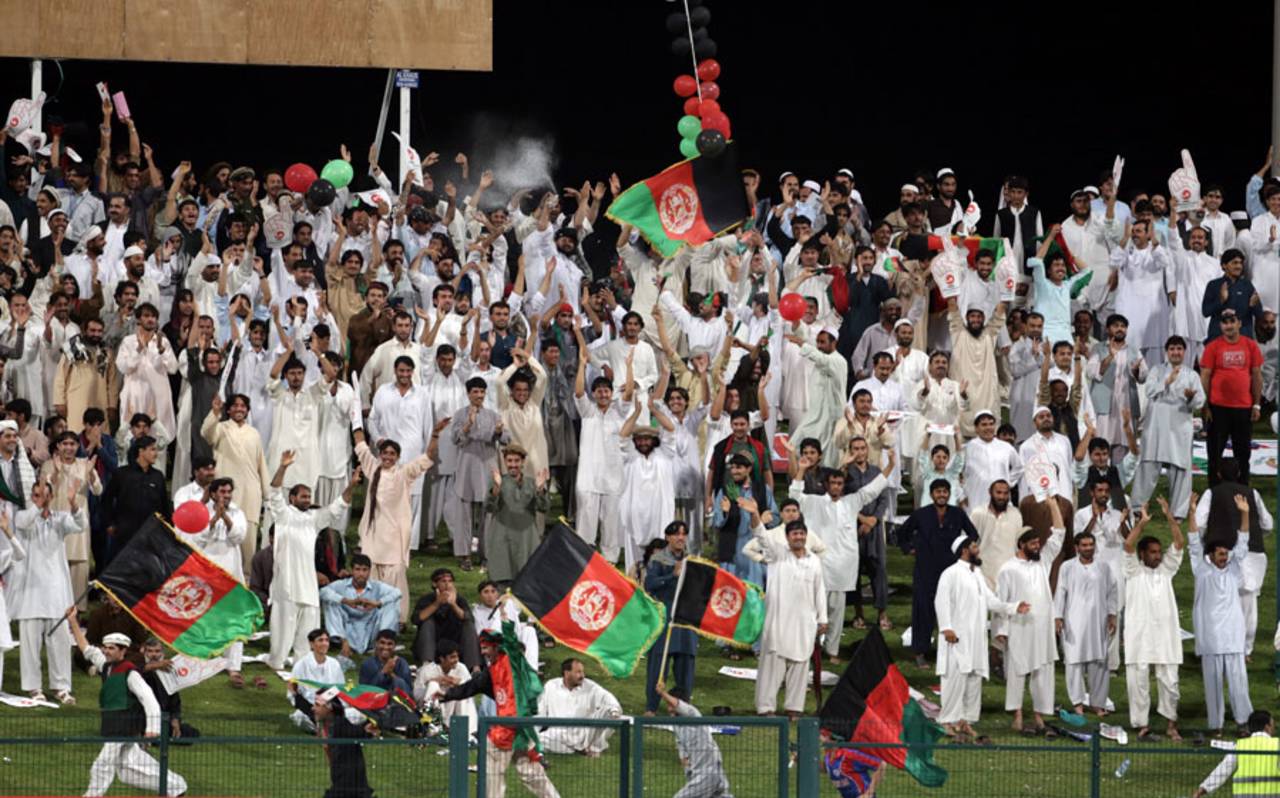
[{"x": 519, "y": 158}]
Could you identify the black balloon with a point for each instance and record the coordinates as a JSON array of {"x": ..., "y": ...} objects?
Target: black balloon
[
  {"x": 699, "y": 34},
  {"x": 675, "y": 22},
  {"x": 705, "y": 49},
  {"x": 321, "y": 193},
  {"x": 680, "y": 47},
  {"x": 700, "y": 16},
  {"x": 710, "y": 143}
]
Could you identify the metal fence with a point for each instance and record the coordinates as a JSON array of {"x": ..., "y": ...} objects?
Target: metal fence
[{"x": 266, "y": 756}]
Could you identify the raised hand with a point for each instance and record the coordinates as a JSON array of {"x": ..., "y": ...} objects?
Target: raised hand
[{"x": 288, "y": 458}]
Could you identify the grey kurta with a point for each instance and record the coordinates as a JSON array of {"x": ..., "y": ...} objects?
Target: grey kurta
[
  {"x": 826, "y": 401},
  {"x": 704, "y": 773},
  {"x": 513, "y": 527},
  {"x": 1087, "y": 594},
  {"x": 558, "y": 414},
  {"x": 477, "y": 452},
  {"x": 1166, "y": 431}
]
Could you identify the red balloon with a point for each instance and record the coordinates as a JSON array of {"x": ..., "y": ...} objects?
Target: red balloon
[
  {"x": 191, "y": 517},
  {"x": 685, "y": 86},
  {"x": 692, "y": 107},
  {"x": 791, "y": 307},
  {"x": 716, "y": 121},
  {"x": 709, "y": 69},
  {"x": 298, "y": 178},
  {"x": 708, "y": 107},
  {"x": 710, "y": 91}
]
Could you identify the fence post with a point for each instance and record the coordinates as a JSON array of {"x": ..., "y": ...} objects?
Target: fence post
[
  {"x": 624, "y": 759},
  {"x": 163, "y": 788},
  {"x": 482, "y": 753},
  {"x": 807, "y": 755},
  {"x": 459, "y": 756},
  {"x": 637, "y": 759},
  {"x": 1095, "y": 762},
  {"x": 784, "y": 756}
]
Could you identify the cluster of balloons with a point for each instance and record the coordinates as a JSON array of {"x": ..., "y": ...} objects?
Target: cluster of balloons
[
  {"x": 699, "y": 17},
  {"x": 302, "y": 179},
  {"x": 704, "y": 128}
]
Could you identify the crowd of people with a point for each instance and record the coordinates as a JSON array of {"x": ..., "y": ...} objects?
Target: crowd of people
[{"x": 220, "y": 338}]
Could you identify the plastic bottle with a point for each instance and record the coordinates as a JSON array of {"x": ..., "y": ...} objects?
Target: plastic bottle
[{"x": 1123, "y": 769}]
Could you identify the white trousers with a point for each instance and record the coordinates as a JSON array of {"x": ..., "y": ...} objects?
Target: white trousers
[
  {"x": 571, "y": 739},
  {"x": 1041, "y": 690},
  {"x": 1091, "y": 679},
  {"x": 961, "y": 697},
  {"x": 235, "y": 657},
  {"x": 444, "y": 505},
  {"x": 835, "y": 622},
  {"x": 57, "y": 649},
  {"x": 135, "y": 767},
  {"x": 1137, "y": 682},
  {"x": 598, "y": 518},
  {"x": 290, "y": 624},
  {"x": 532, "y": 774},
  {"x": 773, "y": 672},
  {"x": 1214, "y": 667}
]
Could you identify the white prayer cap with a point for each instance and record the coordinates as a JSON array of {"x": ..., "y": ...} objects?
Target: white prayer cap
[
  {"x": 8, "y": 424},
  {"x": 1239, "y": 216},
  {"x": 785, "y": 175},
  {"x": 812, "y": 185},
  {"x": 133, "y": 250},
  {"x": 699, "y": 350},
  {"x": 1091, "y": 190},
  {"x": 212, "y": 260},
  {"x": 91, "y": 233},
  {"x": 982, "y": 413},
  {"x": 834, "y": 332},
  {"x": 1041, "y": 409},
  {"x": 960, "y": 540},
  {"x": 54, "y": 213},
  {"x": 117, "y": 639},
  {"x": 912, "y": 187},
  {"x": 944, "y": 171},
  {"x": 45, "y": 151},
  {"x": 1080, "y": 192},
  {"x": 847, "y": 172},
  {"x": 901, "y": 322}
]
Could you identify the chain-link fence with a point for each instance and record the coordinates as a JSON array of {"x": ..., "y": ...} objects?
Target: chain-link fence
[{"x": 266, "y": 755}]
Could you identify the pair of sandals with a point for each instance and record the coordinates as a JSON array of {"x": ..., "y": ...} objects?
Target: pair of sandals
[
  {"x": 885, "y": 624},
  {"x": 237, "y": 681},
  {"x": 63, "y": 697},
  {"x": 1046, "y": 732},
  {"x": 967, "y": 738}
]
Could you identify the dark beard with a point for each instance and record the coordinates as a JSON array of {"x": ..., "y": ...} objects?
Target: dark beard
[
  {"x": 1000, "y": 506},
  {"x": 975, "y": 333},
  {"x": 1033, "y": 556},
  {"x": 976, "y": 562}
]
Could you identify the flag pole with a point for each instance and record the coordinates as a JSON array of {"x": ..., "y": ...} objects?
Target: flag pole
[
  {"x": 666, "y": 644},
  {"x": 63, "y": 619}
]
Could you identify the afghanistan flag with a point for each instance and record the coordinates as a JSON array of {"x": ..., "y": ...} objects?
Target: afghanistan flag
[
  {"x": 364, "y": 697},
  {"x": 516, "y": 688},
  {"x": 974, "y": 245},
  {"x": 1059, "y": 247},
  {"x": 689, "y": 203},
  {"x": 871, "y": 704},
  {"x": 178, "y": 594},
  {"x": 584, "y": 602},
  {"x": 719, "y": 605}
]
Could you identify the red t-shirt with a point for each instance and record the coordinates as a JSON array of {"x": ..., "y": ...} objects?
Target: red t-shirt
[{"x": 1232, "y": 365}]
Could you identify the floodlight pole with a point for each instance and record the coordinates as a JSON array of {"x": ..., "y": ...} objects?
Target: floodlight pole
[
  {"x": 37, "y": 86},
  {"x": 1275, "y": 99},
  {"x": 405, "y": 105}
]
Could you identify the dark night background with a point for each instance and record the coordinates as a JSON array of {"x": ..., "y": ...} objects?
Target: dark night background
[{"x": 883, "y": 89}]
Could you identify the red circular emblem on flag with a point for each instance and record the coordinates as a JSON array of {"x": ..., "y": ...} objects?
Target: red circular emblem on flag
[
  {"x": 185, "y": 597},
  {"x": 678, "y": 208},
  {"x": 1044, "y": 482},
  {"x": 592, "y": 605},
  {"x": 726, "y": 602}
]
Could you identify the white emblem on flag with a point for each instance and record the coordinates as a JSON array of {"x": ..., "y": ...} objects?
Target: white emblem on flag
[
  {"x": 678, "y": 208},
  {"x": 591, "y": 605},
  {"x": 726, "y": 602},
  {"x": 184, "y": 597}
]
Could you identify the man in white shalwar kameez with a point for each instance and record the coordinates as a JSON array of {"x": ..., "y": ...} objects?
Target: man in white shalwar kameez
[
  {"x": 145, "y": 360},
  {"x": 1174, "y": 395},
  {"x": 1254, "y": 568},
  {"x": 1030, "y": 648},
  {"x": 573, "y": 695},
  {"x": 1152, "y": 635},
  {"x": 837, "y": 519},
  {"x": 38, "y": 590},
  {"x": 648, "y": 501},
  {"x": 1219, "y": 621},
  {"x": 1109, "y": 529},
  {"x": 910, "y": 368},
  {"x": 987, "y": 458},
  {"x": 1047, "y": 446},
  {"x": 1145, "y": 278},
  {"x": 795, "y": 612},
  {"x": 295, "y": 421},
  {"x": 962, "y": 602},
  {"x": 1195, "y": 268},
  {"x": 295, "y": 595},
  {"x": 827, "y": 384},
  {"x": 339, "y": 407},
  {"x": 1084, "y": 611},
  {"x": 448, "y": 391},
  {"x": 403, "y": 412}
]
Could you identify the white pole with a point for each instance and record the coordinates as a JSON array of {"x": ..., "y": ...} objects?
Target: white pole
[
  {"x": 37, "y": 86},
  {"x": 405, "y": 102},
  {"x": 1275, "y": 98}
]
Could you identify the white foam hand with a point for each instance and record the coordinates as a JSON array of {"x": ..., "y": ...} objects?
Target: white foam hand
[
  {"x": 1117, "y": 169},
  {"x": 22, "y": 113},
  {"x": 972, "y": 215},
  {"x": 1184, "y": 185},
  {"x": 1007, "y": 274}
]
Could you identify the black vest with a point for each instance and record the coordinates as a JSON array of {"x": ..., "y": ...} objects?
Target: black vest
[{"x": 1027, "y": 221}]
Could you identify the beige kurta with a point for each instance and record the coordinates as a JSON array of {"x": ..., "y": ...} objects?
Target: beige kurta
[
  {"x": 385, "y": 538},
  {"x": 237, "y": 448},
  {"x": 524, "y": 423},
  {"x": 79, "y": 385},
  {"x": 145, "y": 375},
  {"x": 974, "y": 359},
  {"x": 62, "y": 476}
]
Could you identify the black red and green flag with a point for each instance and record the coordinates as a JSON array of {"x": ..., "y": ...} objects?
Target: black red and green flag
[
  {"x": 973, "y": 245},
  {"x": 516, "y": 688},
  {"x": 364, "y": 697},
  {"x": 1059, "y": 247},
  {"x": 690, "y": 202},
  {"x": 872, "y": 704},
  {"x": 586, "y": 603},
  {"x": 716, "y": 604},
  {"x": 178, "y": 594}
]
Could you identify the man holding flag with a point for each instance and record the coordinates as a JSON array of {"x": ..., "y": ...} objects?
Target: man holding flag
[{"x": 679, "y": 646}]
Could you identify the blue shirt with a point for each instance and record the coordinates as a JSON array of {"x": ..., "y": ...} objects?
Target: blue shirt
[
  {"x": 1239, "y": 293},
  {"x": 371, "y": 673}
]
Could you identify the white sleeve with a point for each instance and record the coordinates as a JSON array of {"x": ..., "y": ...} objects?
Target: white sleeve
[{"x": 138, "y": 686}]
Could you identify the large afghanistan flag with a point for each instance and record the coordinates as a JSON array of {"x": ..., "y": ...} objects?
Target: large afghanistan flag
[
  {"x": 719, "y": 605},
  {"x": 871, "y": 704},
  {"x": 178, "y": 594},
  {"x": 689, "y": 203},
  {"x": 584, "y": 602}
]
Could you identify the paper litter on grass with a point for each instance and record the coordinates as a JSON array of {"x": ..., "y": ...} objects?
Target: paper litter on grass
[
  {"x": 260, "y": 635},
  {"x": 829, "y": 679},
  {"x": 23, "y": 702}
]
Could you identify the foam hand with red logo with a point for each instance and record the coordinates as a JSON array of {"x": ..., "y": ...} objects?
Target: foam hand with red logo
[
  {"x": 972, "y": 215},
  {"x": 1117, "y": 169},
  {"x": 1184, "y": 185}
]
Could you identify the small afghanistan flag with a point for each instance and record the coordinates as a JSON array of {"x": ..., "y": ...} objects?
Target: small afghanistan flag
[
  {"x": 719, "y": 605},
  {"x": 691, "y": 202},
  {"x": 972, "y": 245},
  {"x": 871, "y": 704},
  {"x": 178, "y": 594},
  {"x": 586, "y": 603}
]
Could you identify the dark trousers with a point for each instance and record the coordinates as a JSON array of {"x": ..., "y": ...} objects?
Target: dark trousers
[
  {"x": 1234, "y": 423},
  {"x": 923, "y": 616},
  {"x": 681, "y": 666},
  {"x": 424, "y": 645},
  {"x": 871, "y": 564}
]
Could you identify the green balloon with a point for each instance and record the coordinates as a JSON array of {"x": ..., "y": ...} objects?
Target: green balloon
[
  {"x": 337, "y": 172},
  {"x": 688, "y": 148},
  {"x": 689, "y": 126}
]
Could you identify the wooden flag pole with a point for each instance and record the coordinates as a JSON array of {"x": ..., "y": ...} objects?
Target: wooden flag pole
[{"x": 666, "y": 644}]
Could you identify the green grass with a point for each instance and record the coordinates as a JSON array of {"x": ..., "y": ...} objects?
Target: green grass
[{"x": 1060, "y": 768}]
